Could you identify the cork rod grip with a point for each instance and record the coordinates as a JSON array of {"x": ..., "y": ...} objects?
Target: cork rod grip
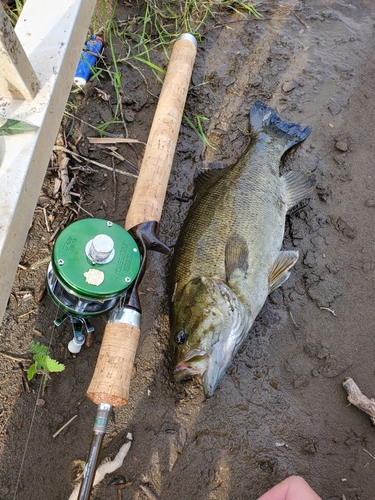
[
  {"x": 111, "y": 380},
  {"x": 151, "y": 186}
]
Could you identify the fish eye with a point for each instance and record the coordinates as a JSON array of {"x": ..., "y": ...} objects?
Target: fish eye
[{"x": 181, "y": 337}]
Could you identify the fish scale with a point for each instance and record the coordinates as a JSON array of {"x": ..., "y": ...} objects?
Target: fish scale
[{"x": 228, "y": 256}]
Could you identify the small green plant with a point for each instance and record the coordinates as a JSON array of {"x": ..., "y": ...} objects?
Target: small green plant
[
  {"x": 199, "y": 128},
  {"x": 12, "y": 127},
  {"x": 43, "y": 363},
  {"x": 14, "y": 10}
]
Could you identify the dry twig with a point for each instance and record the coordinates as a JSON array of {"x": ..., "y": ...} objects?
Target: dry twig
[
  {"x": 64, "y": 426},
  {"x": 93, "y": 162},
  {"x": 358, "y": 399},
  {"x": 368, "y": 453}
]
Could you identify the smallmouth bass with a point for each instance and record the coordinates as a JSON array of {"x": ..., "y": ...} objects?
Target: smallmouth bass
[{"x": 228, "y": 256}]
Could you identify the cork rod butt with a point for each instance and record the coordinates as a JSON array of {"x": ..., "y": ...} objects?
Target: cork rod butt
[
  {"x": 111, "y": 380},
  {"x": 151, "y": 186}
]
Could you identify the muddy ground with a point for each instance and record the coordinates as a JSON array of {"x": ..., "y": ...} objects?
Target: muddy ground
[{"x": 281, "y": 408}]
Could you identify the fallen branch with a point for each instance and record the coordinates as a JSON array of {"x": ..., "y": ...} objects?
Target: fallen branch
[
  {"x": 93, "y": 162},
  {"x": 107, "y": 467},
  {"x": 358, "y": 399},
  {"x": 81, "y": 208}
]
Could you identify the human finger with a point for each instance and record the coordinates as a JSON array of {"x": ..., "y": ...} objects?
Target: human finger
[{"x": 292, "y": 488}]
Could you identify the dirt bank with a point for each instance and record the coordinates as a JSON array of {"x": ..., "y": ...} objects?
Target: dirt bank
[{"x": 281, "y": 408}]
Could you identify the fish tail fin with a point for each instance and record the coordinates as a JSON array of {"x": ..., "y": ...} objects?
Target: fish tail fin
[{"x": 264, "y": 119}]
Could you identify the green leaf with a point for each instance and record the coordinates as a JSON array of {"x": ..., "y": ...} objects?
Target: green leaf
[
  {"x": 53, "y": 366},
  {"x": 40, "y": 361},
  {"x": 31, "y": 371},
  {"x": 38, "y": 348},
  {"x": 12, "y": 127}
]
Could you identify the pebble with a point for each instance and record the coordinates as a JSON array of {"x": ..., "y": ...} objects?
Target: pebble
[
  {"x": 330, "y": 15},
  {"x": 289, "y": 86},
  {"x": 309, "y": 448},
  {"x": 341, "y": 146},
  {"x": 370, "y": 203}
]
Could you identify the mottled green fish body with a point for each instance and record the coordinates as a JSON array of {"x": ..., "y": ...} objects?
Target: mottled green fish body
[{"x": 228, "y": 258}]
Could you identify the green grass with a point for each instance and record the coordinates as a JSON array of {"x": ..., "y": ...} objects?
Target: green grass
[
  {"x": 147, "y": 35},
  {"x": 14, "y": 10},
  {"x": 198, "y": 128}
]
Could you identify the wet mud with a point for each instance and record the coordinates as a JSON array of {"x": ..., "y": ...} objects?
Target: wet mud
[{"x": 281, "y": 408}]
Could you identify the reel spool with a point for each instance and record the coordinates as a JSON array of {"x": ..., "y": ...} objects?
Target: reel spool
[{"x": 94, "y": 262}]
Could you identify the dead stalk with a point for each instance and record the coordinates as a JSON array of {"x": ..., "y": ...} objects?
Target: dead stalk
[{"x": 64, "y": 426}]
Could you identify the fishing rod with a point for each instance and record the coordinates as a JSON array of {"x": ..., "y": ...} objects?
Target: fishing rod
[{"x": 116, "y": 258}]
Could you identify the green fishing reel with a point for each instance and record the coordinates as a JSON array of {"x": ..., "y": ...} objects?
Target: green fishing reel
[{"x": 94, "y": 262}]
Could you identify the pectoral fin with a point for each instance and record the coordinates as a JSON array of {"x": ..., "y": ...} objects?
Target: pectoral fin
[
  {"x": 297, "y": 185},
  {"x": 280, "y": 271},
  {"x": 236, "y": 258}
]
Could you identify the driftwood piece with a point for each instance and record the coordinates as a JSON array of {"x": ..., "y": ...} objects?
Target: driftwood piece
[{"x": 358, "y": 399}]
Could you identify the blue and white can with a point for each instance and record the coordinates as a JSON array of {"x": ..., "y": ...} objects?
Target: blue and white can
[{"x": 88, "y": 59}]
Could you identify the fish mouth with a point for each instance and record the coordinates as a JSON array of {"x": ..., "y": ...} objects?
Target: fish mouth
[{"x": 194, "y": 363}]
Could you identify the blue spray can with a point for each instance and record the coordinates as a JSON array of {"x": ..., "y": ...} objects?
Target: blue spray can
[{"x": 88, "y": 58}]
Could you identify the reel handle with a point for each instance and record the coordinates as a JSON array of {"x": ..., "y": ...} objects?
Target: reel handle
[
  {"x": 111, "y": 380},
  {"x": 149, "y": 193}
]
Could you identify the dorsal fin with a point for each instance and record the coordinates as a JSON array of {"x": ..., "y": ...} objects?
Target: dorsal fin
[{"x": 206, "y": 178}]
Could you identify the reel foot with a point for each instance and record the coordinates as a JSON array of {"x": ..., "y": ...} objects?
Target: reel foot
[{"x": 78, "y": 339}]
